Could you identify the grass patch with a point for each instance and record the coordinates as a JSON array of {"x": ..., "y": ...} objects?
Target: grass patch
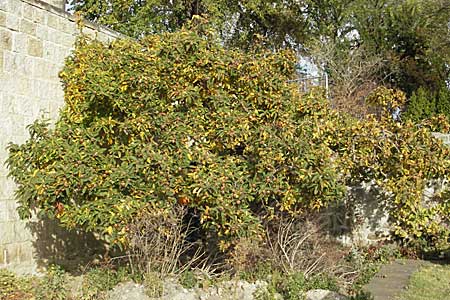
[{"x": 431, "y": 282}]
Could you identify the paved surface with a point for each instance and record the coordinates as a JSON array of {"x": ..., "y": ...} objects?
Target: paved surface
[{"x": 392, "y": 278}]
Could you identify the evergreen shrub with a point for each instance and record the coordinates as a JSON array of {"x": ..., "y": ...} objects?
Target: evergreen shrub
[{"x": 175, "y": 119}]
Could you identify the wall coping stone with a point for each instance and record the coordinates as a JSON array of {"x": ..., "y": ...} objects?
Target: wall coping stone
[{"x": 61, "y": 13}]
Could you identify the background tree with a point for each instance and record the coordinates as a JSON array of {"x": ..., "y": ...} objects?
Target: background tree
[
  {"x": 240, "y": 23},
  {"x": 410, "y": 38},
  {"x": 443, "y": 101},
  {"x": 422, "y": 105}
]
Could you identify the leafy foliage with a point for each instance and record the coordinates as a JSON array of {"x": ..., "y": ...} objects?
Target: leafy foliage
[
  {"x": 404, "y": 44},
  {"x": 175, "y": 120},
  {"x": 408, "y": 40},
  {"x": 401, "y": 160}
]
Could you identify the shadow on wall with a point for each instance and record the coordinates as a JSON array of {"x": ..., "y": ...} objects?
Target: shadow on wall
[
  {"x": 362, "y": 218},
  {"x": 71, "y": 249}
]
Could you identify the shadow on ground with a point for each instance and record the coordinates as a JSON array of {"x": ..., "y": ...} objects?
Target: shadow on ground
[{"x": 71, "y": 249}]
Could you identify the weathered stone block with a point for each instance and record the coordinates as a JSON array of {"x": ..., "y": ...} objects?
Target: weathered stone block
[
  {"x": 27, "y": 27},
  {"x": 19, "y": 42},
  {"x": 5, "y": 39},
  {"x": 60, "y": 55},
  {"x": 12, "y": 20},
  {"x": 38, "y": 16},
  {"x": 1, "y": 62},
  {"x": 21, "y": 232},
  {"x": 69, "y": 27},
  {"x": 53, "y": 21},
  {"x": 3, "y": 212},
  {"x": 11, "y": 209},
  {"x": 41, "y": 86},
  {"x": 7, "y": 232},
  {"x": 35, "y": 47},
  {"x": 3, "y": 5},
  {"x": 52, "y": 35},
  {"x": 14, "y": 62},
  {"x": 2, "y": 255},
  {"x": 23, "y": 86},
  {"x": 28, "y": 12},
  {"x": 66, "y": 40},
  {"x": 10, "y": 253},
  {"x": 2, "y": 18},
  {"x": 59, "y": 4},
  {"x": 8, "y": 186},
  {"x": 24, "y": 105},
  {"x": 15, "y": 7},
  {"x": 25, "y": 251},
  {"x": 42, "y": 32},
  {"x": 49, "y": 50}
]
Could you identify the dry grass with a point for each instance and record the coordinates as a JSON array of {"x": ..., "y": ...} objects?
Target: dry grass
[
  {"x": 301, "y": 245},
  {"x": 159, "y": 243}
]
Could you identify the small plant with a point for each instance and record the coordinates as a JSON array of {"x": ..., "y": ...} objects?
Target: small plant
[
  {"x": 362, "y": 296},
  {"x": 53, "y": 285},
  {"x": 295, "y": 287},
  {"x": 274, "y": 281},
  {"x": 296, "y": 284},
  {"x": 322, "y": 281},
  {"x": 188, "y": 279},
  {"x": 262, "y": 271},
  {"x": 153, "y": 284},
  {"x": 383, "y": 253},
  {"x": 99, "y": 280},
  {"x": 14, "y": 288},
  {"x": 8, "y": 283},
  {"x": 443, "y": 101}
]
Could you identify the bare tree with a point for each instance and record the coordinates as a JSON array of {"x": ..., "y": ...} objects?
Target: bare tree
[{"x": 353, "y": 75}]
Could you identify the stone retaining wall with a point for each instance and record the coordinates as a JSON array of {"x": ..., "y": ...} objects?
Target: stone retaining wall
[
  {"x": 35, "y": 38},
  {"x": 443, "y": 136}
]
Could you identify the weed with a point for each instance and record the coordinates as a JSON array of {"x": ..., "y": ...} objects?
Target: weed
[
  {"x": 14, "y": 288},
  {"x": 99, "y": 280},
  {"x": 153, "y": 284},
  {"x": 52, "y": 285},
  {"x": 362, "y": 295},
  {"x": 188, "y": 279}
]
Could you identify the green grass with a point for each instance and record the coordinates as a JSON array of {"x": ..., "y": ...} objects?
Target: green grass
[{"x": 429, "y": 283}]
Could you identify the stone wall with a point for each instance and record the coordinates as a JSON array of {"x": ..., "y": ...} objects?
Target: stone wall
[
  {"x": 35, "y": 38},
  {"x": 443, "y": 136}
]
